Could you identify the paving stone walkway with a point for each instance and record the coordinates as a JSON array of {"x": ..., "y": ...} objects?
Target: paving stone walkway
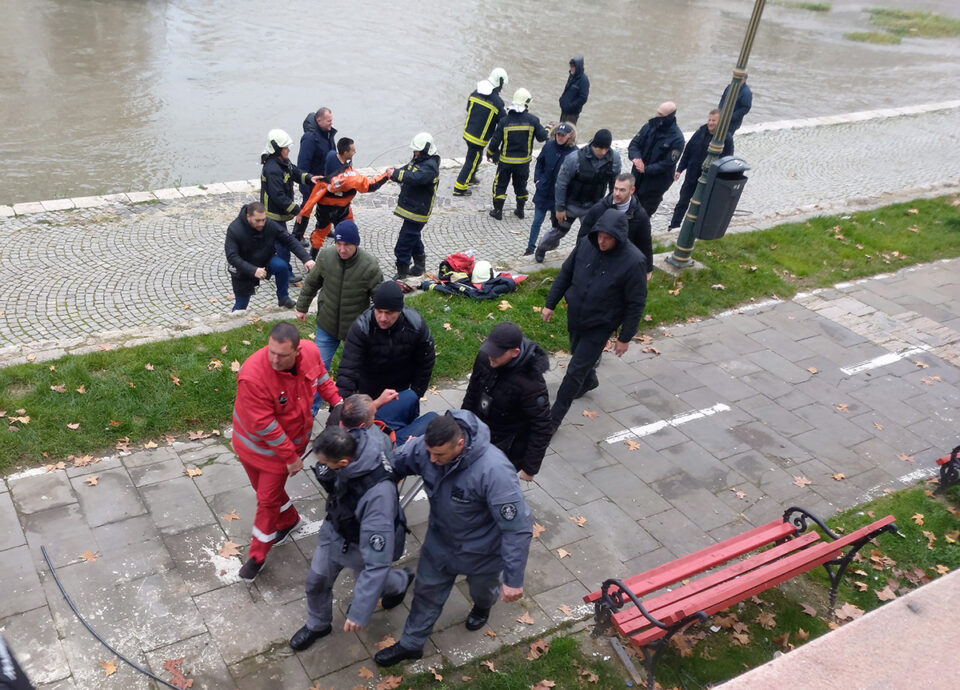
[
  {"x": 149, "y": 265},
  {"x": 723, "y": 421}
]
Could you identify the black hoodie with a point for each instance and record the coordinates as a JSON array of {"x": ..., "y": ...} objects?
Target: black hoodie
[
  {"x": 575, "y": 93},
  {"x": 513, "y": 401}
]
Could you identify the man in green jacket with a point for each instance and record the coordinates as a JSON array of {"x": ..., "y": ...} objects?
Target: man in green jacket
[{"x": 348, "y": 276}]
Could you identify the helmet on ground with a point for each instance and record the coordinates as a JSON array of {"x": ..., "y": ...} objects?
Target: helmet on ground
[
  {"x": 423, "y": 142},
  {"x": 498, "y": 77},
  {"x": 277, "y": 139},
  {"x": 522, "y": 97},
  {"x": 482, "y": 272}
]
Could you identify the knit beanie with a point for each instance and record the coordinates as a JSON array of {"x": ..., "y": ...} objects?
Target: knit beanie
[
  {"x": 602, "y": 139},
  {"x": 389, "y": 296},
  {"x": 346, "y": 231}
]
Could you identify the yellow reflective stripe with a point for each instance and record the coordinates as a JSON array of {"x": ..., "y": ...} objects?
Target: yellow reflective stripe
[
  {"x": 506, "y": 134},
  {"x": 473, "y": 100},
  {"x": 404, "y": 213}
]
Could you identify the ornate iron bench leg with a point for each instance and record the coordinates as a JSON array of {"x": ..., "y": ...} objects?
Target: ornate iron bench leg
[
  {"x": 652, "y": 651},
  {"x": 836, "y": 568}
]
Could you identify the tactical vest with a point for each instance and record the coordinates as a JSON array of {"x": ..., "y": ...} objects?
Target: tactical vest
[
  {"x": 589, "y": 183},
  {"x": 342, "y": 507}
]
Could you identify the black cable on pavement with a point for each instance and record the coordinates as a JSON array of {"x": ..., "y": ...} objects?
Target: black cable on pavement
[{"x": 93, "y": 632}]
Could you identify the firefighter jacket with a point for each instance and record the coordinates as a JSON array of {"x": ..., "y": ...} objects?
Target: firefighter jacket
[
  {"x": 272, "y": 417},
  {"x": 513, "y": 140},
  {"x": 276, "y": 187},
  {"x": 418, "y": 188},
  {"x": 483, "y": 114}
]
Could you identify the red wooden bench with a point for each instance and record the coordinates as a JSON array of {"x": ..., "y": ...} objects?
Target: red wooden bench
[{"x": 782, "y": 549}]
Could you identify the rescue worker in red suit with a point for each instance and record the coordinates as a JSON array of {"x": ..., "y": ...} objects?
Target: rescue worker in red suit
[{"x": 272, "y": 420}]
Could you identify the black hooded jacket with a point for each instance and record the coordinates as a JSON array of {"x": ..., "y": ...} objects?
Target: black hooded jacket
[
  {"x": 248, "y": 249},
  {"x": 513, "y": 401},
  {"x": 604, "y": 290},
  {"x": 575, "y": 93},
  {"x": 638, "y": 224},
  {"x": 659, "y": 144}
]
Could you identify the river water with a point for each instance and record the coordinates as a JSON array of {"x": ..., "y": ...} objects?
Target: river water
[{"x": 101, "y": 96}]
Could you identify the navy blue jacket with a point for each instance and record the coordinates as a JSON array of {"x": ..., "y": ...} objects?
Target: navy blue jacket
[
  {"x": 741, "y": 108},
  {"x": 577, "y": 89},
  {"x": 696, "y": 152},
  {"x": 418, "y": 188},
  {"x": 276, "y": 187},
  {"x": 315, "y": 144},
  {"x": 658, "y": 144},
  {"x": 546, "y": 170},
  {"x": 604, "y": 290}
]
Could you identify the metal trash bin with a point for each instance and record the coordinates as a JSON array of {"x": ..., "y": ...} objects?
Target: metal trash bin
[{"x": 725, "y": 182}]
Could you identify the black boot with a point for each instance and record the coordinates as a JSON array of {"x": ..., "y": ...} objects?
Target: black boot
[
  {"x": 403, "y": 270},
  {"x": 518, "y": 212},
  {"x": 419, "y": 265},
  {"x": 497, "y": 212}
]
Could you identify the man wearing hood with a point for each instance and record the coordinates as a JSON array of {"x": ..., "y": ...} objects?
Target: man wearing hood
[
  {"x": 508, "y": 393},
  {"x": 250, "y": 247},
  {"x": 654, "y": 152},
  {"x": 511, "y": 148},
  {"x": 364, "y": 530},
  {"x": 418, "y": 188},
  {"x": 740, "y": 108},
  {"x": 575, "y": 93},
  {"x": 638, "y": 222},
  {"x": 480, "y": 526},
  {"x": 484, "y": 110},
  {"x": 604, "y": 281},
  {"x": 318, "y": 140}
]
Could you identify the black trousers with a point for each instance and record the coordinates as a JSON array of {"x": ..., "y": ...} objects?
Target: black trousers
[
  {"x": 650, "y": 202},
  {"x": 586, "y": 347},
  {"x": 686, "y": 193},
  {"x": 470, "y": 165},
  {"x": 519, "y": 173},
  {"x": 569, "y": 117}
]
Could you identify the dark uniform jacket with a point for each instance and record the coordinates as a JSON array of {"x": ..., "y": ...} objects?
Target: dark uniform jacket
[
  {"x": 513, "y": 401},
  {"x": 577, "y": 89},
  {"x": 315, "y": 144},
  {"x": 418, "y": 188},
  {"x": 513, "y": 141},
  {"x": 479, "y": 520},
  {"x": 659, "y": 144},
  {"x": 584, "y": 179},
  {"x": 276, "y": 187},
  {"x": 248, "y": 249},
  {"x": 483, "y": 115},
  {"x": 696, "y": 152},
  {"x": 604, "y": 290},
  {"x": 638, "y": 224},
  {"x": 546, "y": 170},
  {"x": 399, "y": 357},
  {"x": 740, "y": 108}
]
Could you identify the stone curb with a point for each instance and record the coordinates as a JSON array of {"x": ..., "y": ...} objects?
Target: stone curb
[{"x": 172, "y": 193}]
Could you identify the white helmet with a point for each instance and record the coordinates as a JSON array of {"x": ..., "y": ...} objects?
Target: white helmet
[
  {"x": 484, "y": 87},
  {"x": 482, "y": 272},
  {"x": 424, "y": 142},
  {"x": 277, "y": 139},
  {"x": 498, "y": 77},
  {"x": 522, "y": 97}
]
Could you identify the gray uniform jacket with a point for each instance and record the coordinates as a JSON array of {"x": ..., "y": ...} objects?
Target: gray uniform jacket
[
  {"x": 376, "y": 511},
  {"x": 568, "y": 170},
  {"x": 479, "y": 521}
]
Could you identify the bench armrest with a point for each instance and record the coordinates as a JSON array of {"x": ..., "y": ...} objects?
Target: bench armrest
[
  {"x": 800, "y": 521},
  {"x": 615, "y": 600}
]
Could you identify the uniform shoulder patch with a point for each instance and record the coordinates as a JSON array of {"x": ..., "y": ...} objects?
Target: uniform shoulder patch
[
  {"x": 508, "y": 511},
  {"x": 675, "y": 155},
  {"x": 377, "y": 542}
]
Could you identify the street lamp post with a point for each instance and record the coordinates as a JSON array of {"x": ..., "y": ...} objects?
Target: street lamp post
[{"x": 685, "y": 241}]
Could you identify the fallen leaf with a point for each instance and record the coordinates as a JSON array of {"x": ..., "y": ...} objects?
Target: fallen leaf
[
  {"x": 565, "y": 610},
  {"x": 92, "y": 480},
  {"x": 878, "y": 426},
  {"x": 387, "y": 641},
  {"x": 526, "y": 619},
  {"x": 740, "y": 639},
  {"x": 942, "y": 570},
  {"x": 59, "y": 388},
  {"x": 590, "y": 414},
  {"x": 917, "y": 518},
  {"x": 74, "y": 426},
  {"x": 809, "y": 610},
  {"x": 633, "y": 445},
  {"x": 105, "y": 346},
  {"x": 447, "y": 327},
  {"x": 773, "y": 246},
  {"x": 21, "y": 411},
  {"x": 812, "y": 370},
  {"x": 580, "y": 520},
  {"x": 537, "y": 309},
  {"x": 562, "y": 553},
  {"x": 148, "y": 366},
  {"x": 489, "y": 666},
  {"x": 886, "y": 594},
  {"x": 504, "y": 305},
  {"x": 589, "y": 676},
  {"x": 931, "y": 538},
  {"x": 490, "y": 633},
  {"x": 197, "y": 435},
  {"x": 115, "y": 423},
  {"x": 677, "y": 290},
  {"x": 193, "y": 472},
  {"x": 718, "y": 286},
  {"x": 537, "y": 649},
  {"x": 82, "y": 390},
  {"x": 862, "y": 586},
  {"x": 229, "y": 549},
  {"x": 175, "y": 379},
  {"x": 215, "y": 365},
  {"x": 683, "y": 644},
  {"x": 231, "y": 516},
  {"x": 88, "y": 556},
  {"x": 364, "y": 672},
  {"x": 84, "y": 460},
  {"x": 169, "y": 439},
  {"x": 783, "y": 641},
  {"x": 123, "y": 445},
  {"x": 912, "y": 211},
  {"x": 543, "y": 685},
  {"x": 647, "y": 317},
  {"x": 922, "y": 365},
  {"x": 149, "y": 445},
  {"x": 436, "y": 676},
  {"x": 739, "y": 494},
  {"x": 839, "y": 476},
  {"x": 848, "y": 612},
  {"x": 842, "y": 407},
  {"x": 767, "y": 620},
  {"x": 740, "y": 627},
  {"x": 650, "y": 350},
  {"x": 466, "y": 679},
  {"x": 951, "y": 537},
  {"x": 109, "y": 667},
  {"x": 55, "y": 466},
  {"x": 801, "y": 481},
  {"x": 538, "y": 529},
  {"x": 25, "y": 419},
  {"x": 235, "y": 366}
]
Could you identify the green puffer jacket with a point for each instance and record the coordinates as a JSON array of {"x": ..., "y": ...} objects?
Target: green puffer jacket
[{"x": 347, "y": 289}]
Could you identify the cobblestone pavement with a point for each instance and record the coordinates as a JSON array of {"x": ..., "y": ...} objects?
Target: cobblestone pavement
[
  {"x": 143, "y": 266},
  {"x": 725, "y": 418}
]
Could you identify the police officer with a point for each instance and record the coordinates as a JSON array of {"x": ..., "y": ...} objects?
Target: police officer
[
  {"x": 364, "y": 530},
  {"x": 654, "y": 152},
  {"x": 479, "y": 526},
  {"x": 583, "y": 180},
  {"x": 512, "y": 149},
  {"x": 484, "y": 109},
  {"x": 692, "y": 160},
  {"x": 418, "y": 188}
]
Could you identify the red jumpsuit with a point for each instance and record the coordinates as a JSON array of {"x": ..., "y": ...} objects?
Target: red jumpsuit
[{"x": 272, "y": 422}]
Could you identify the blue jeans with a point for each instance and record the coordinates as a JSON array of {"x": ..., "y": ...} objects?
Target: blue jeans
[
  {"x": 278, "y": 270},
  {"x": 401, "y": 415},
  {"x": 539, "y": 214},
  {"x": 327, "y": 345}
]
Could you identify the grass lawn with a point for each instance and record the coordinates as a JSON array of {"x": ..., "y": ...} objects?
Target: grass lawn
[{"x": 189, "y": 385}]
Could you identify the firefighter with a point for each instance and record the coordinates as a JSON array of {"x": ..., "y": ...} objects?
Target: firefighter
[
  {"x": 512, "y": 149},
  {"x": 484, "y": 110},
  {"x": 418, "y": 188}
]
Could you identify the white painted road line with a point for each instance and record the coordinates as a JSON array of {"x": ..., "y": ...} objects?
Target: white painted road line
[
  {"x": 654, "y": 427},
  {"x": 884, "y": 360}
]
